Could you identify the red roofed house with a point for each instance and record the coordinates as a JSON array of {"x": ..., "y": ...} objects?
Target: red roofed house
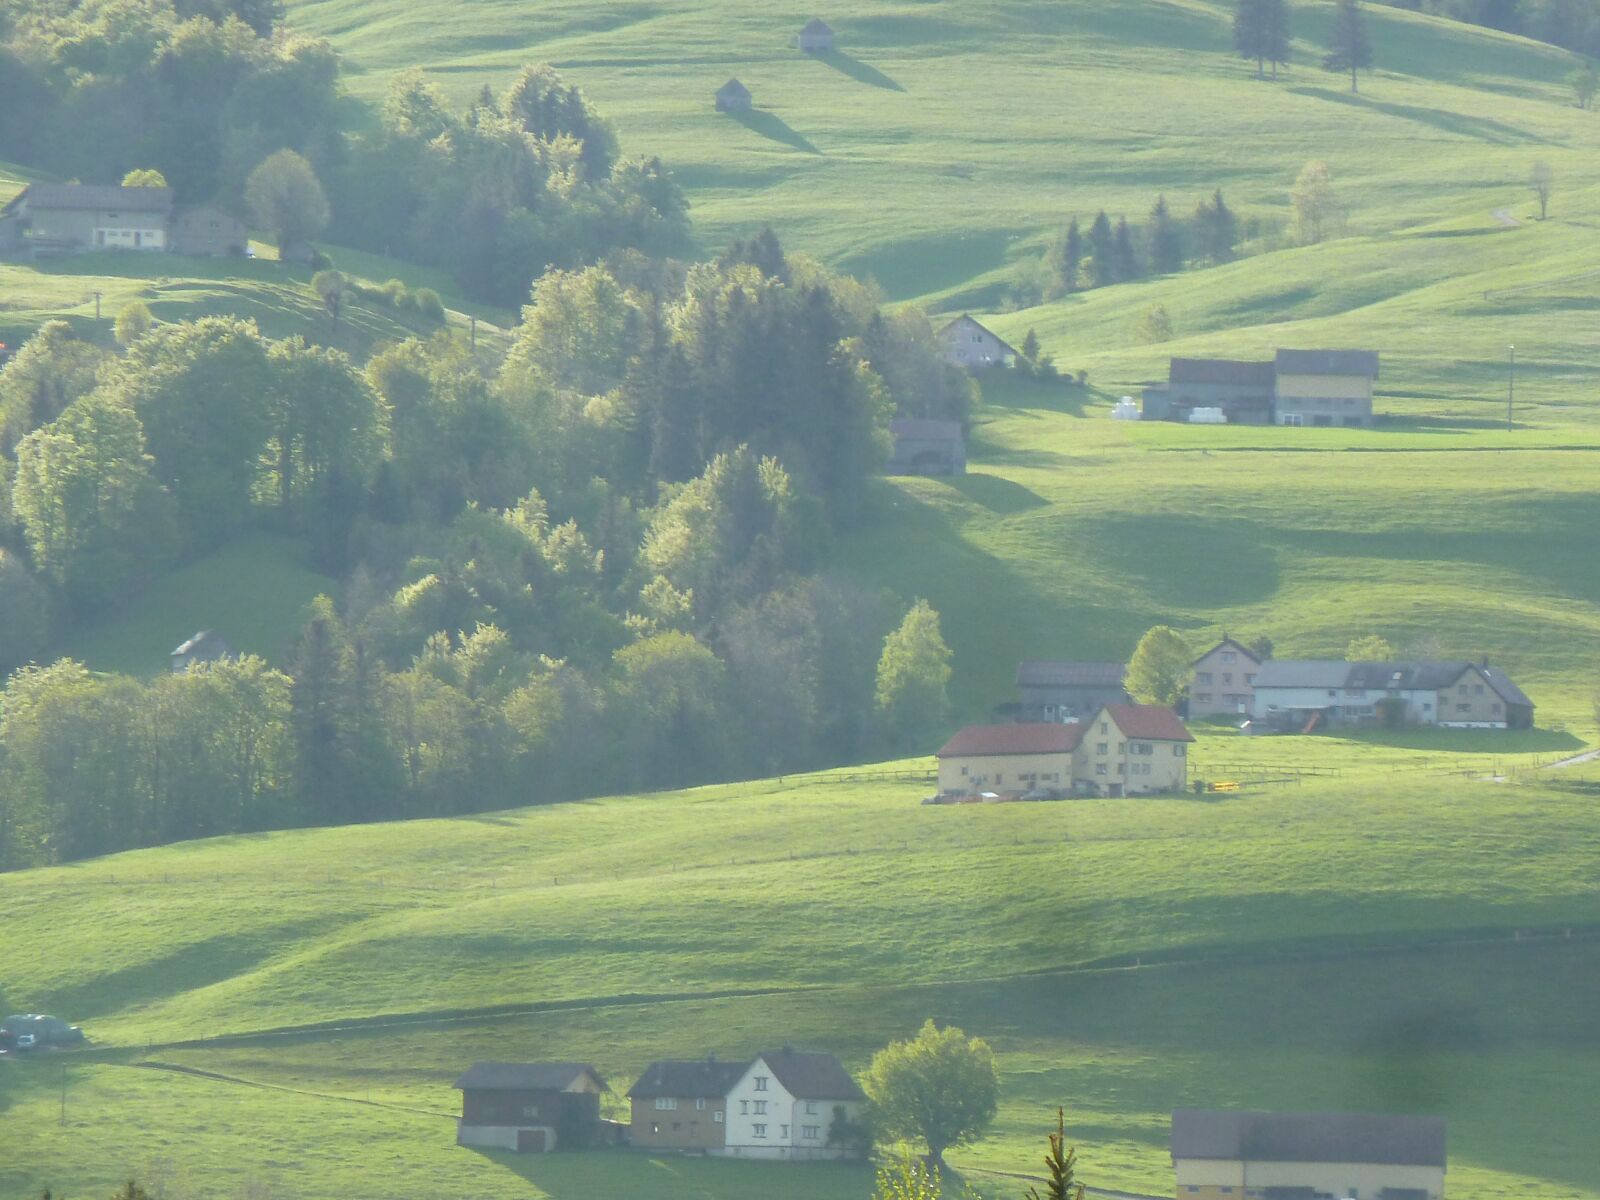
[{"x": 1123, "y": 749}]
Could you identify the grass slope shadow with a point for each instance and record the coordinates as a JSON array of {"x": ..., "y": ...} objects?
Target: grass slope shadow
[
  {"x": 847, "y": 64},
  {"x": 1479, "y": 128},
  {"x": 771, "y": 125}
]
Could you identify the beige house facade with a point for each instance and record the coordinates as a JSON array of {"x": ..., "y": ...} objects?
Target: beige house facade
[
  {"x": 682, "y": 1104},
  {"x": 1324, "y": 387},
  {"x": 1223, "y": 681},
  {"x": 1235, "y": 1155},
  {"x": 968, "y": 344},
  {"x": 1120, "y": 750}
]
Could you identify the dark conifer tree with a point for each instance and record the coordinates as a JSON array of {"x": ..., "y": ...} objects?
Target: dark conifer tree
[
  {"x": 1102, "y": 251},
  {"x": 1166, "y": 240},
  {"x": 1349, "y": 49},
  {"x": 1127, "y": 258}
]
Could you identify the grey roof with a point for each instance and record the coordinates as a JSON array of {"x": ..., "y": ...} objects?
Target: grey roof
[
  {"x": 98, "y": 196},
  {"x": 694, "y": 1079},
  {"x": 1504, "y": 688},
  {"x": 1070, "y": 674},
  {"x": 1405, "y": 676},
  {"x": 1221, "y": 370},
  {"x": 1315, "y": 1137},
  {"x": 816, "y": 25},
  {"x": 1302, "y": 673},
  {"x": 811, "y": 1075},
  {"x": 1328, "y": 362},
  {"x": 733, "y": 88},
  {"x": 531, "y": 1077},
  {"x": 925, "y": 429}
]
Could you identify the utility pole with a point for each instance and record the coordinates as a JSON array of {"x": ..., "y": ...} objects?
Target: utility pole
[
  {"x": 1511, "y": 386},
  {"x": 97, "y": 306},
  {"x": 474, "y": 327}
]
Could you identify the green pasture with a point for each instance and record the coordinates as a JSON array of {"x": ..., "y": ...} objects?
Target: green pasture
[
  {"x": 941, "y": 139},
  {"x": 1348, "y": 942}
]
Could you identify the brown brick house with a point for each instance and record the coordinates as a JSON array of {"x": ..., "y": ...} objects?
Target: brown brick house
[{"x": 682, "y": 1104}]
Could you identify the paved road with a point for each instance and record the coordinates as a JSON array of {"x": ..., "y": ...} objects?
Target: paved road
[{"x": 1504, "y": 216}]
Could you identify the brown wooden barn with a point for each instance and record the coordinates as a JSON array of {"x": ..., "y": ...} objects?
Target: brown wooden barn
[{"x": 530, "y": 1107}]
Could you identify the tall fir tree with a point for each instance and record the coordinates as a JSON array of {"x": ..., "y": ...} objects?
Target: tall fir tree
[
  {"x": 1349, "y": 47},
  {"x": 1165, "y": 240},
  {"x": 1275, "y": 38},
  {"x": 1127, "y": 257},
  {"x": 1069, "y": 259},
  {"x": 1102, "y": 251},
  {"x": 1249, "y": 32},
  {"x": 1216, "y": 227}
]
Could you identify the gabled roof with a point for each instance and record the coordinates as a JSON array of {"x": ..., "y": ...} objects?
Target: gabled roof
[
  {"x": 531, "y": 1077},
  {"x": 969, "y": 319},
  {"x": 1226, "y": 643},
  {"x": 1313, "y": 1137},
  {"x": 97, "y": 196},
  {"x": 1328, "y": 362},
  {"x": 1221, "y": 370},
  {"x": 1404, "y": 676},
  {"x": 692, "y": 1079},
  {"x": 1503, "y": 687},
  {"x": 1151, "y": 721},
  {"x": 976, "y": 741},
  {"x": 1301, "y": 673},
  {"x": 815, "y": 26},
  {"x": 811, "y": 1075},
  {"x": 925, "y": 429},
  {"x": 1070, "y": 674},
  {"x": 733, "y": 88}
]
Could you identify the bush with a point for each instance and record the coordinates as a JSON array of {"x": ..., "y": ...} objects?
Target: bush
[{"x": 429, "y": 304}]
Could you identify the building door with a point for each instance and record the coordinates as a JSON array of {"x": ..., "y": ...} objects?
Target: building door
[{"x": 530, "y": 1141}]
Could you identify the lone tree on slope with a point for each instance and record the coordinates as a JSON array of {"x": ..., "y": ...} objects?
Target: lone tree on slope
[
  {"x": 940, "y": 1086},
  {"x": 1540, "y": 179},
  {"x": 1159, "y": 668},
  {"x": 1350, "y": 48},
  {"x": 284, "y": 196}
]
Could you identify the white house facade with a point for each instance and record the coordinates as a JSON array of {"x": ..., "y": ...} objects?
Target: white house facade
[{"x": 784, "y": 1105}]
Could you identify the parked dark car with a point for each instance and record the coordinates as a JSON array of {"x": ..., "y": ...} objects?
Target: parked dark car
[{"x": 29, "y": 1031}]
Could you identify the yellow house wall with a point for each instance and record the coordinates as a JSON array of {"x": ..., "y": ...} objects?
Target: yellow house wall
[
  {"x": 1479, "y": 698},
  {"x": 1004, "y": 772},
  {"x": 1106, "y": 757},
  {"x": 1219, "y": 1179}
]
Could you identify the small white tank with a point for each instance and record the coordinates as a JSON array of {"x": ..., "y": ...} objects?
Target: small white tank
[
  {"x": 1207, "y": 416},
  {"x": 1125, "y": 410}
]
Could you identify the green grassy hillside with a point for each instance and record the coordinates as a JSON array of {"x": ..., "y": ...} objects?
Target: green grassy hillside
[
  {"x": 1343, "y": 943},
  {"x": 942, "y": 137}
]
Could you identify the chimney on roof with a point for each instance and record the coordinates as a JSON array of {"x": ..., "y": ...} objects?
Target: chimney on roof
[{"x": 788, "y": 1048}]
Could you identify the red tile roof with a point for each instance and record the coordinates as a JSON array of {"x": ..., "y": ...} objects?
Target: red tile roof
[
  {"x": 1149, "y": 721},
  {"x": 1028, "y": 738}
]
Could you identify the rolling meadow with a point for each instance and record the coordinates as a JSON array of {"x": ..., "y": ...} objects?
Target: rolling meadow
[{"x": 1396, "y": 921}]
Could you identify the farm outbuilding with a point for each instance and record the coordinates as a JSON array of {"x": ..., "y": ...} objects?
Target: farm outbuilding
[
  {"x": 733, "y": 96},
  {"x": 530, "y": 1107},
  {"x": 816, "y": 37},
  {"x": 926, "y": 447}
]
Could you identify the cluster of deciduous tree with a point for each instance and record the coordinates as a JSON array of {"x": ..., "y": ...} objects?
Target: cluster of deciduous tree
[
  {"x": 499, "y": 194},
  {"x": 1107, "y": 253},
  {"x": 589, "y": 569},
  {"x": 202, "y": 90}
]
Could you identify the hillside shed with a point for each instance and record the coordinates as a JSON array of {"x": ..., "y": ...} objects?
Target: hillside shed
[
  {"x": 530, "y": 1107},
  {"x": 733, "y": 96},
  {"x": 968, "y": 344},
  {"x": 924, "y": 447},
  {"x": 1068, "y": 691},
  {"x": 204, "y": 230},
  {"x": 816, "y": 37}
]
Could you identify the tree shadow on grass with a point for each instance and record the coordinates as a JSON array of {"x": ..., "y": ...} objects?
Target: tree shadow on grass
[
  {"x": 1479, "y": 128},
  {"x": 861, "y": 72},
  {"x": 770, "y": 125},
  {"x": 996, "y": 494}
]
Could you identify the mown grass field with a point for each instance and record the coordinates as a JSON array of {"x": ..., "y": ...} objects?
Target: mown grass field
[{"x": 1346, "y": 942}]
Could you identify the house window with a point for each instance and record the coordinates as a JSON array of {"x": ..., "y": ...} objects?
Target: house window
[
  {"x": 1103, "y": 727},
  {"x": 761, "y": 1083},
  {"x": 1202, "y": 676},
  {"x": 531, "y": 1110},
  {"x": 744, "y": 1108},
  {"x": 761, "y": 1108},
  {"x": 811, "y": 1105},
  {"x": 666, "y": 1102},
  {"x": 758, "y": 1130},
  {"x": 1227, "y": 677},
  {"x": 811, "y": 1133},
  {"x": 716, "y": 1118},
  {"x": 1462, "y": 690},
  {"x": 655, "y": 1127},
  {"x": 1099, "y": 768},
  {"x": 1477, "y": 689},
  {"x": 783, "y": 1132},
  {"x": 1177, "y": 751},
  {"x": 700, "y": 1104},
  {"x": 1206, "y": 696},
  {"x": 1228, "y": 656},
  {"x": 1102, "y": 747},
  {"x": 1461, "y": 708},
  {"x": 1249, "y": 679},
  {"x": 1292, "y": 419}
]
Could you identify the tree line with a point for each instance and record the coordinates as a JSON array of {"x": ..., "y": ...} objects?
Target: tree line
[
  {"x": 1262, "y": 32},
  {"x": 595, "y": 566},
  {"x": 1571, "y": 24},
  {"x": 227, "y": 104}
]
